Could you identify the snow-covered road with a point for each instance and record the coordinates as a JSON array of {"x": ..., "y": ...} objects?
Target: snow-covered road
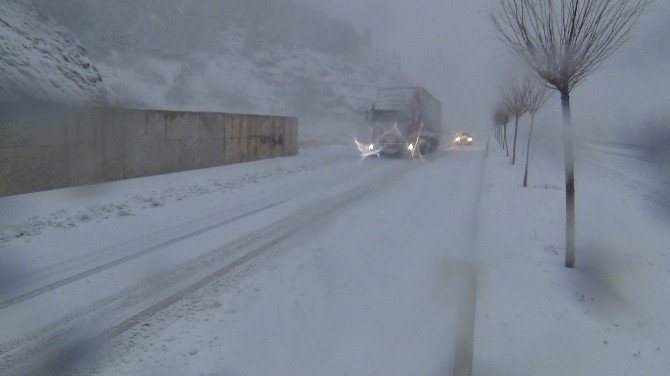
[{"x": 316, "y": 264}]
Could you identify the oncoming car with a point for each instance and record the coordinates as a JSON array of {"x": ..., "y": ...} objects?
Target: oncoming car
[{"x": 463, "y": 138}]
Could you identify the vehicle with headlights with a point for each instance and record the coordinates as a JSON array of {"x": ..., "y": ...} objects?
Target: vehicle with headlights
[
  {"x": 463, "y": 138},
  {"x": 404, "y": 121}
]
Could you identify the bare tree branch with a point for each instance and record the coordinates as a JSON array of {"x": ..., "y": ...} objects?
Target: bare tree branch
[
  {"x": 565, "y": 40},
  {"x": 536, "y": 95}
]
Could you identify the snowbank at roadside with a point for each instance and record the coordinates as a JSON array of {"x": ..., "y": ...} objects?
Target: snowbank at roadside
[
  {"x": 609, "y": 315},
  {"x": 25, "y": 216}
]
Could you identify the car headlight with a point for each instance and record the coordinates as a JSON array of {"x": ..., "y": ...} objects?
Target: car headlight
[
  {"x": 469, "y": 139},
  {"x": 371, "y": 147}
]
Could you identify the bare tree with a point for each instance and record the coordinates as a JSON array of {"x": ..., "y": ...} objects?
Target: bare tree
[
  {"x": 500, "y": 119},
  {"x": 563, "y": 41},
  {"x": 515, "y": 101},
  {"x": 496, "y": 128},
  {"x": 536, "y": 96},
  {"x": 502, "y": 111}
]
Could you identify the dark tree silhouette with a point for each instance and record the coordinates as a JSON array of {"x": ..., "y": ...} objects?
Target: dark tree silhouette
[{"x": 500, "y": 119}]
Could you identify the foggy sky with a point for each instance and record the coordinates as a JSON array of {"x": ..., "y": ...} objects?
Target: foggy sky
[{"x": 450, "y": 47}]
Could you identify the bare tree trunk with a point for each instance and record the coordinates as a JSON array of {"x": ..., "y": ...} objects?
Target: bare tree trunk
[
  {"x": 505, "y": 140},
  {"x": 569, "y": 182},
  {"x": 530, "y": 135},
  {"x": 516, "y": 128}
]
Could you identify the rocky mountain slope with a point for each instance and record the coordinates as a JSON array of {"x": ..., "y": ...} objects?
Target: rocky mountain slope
[
  {"x": 263, "y": 56},
  {"x": 42, "y": 61}
]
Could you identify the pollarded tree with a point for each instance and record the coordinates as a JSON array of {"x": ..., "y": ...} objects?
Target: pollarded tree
[
  {"x": 500, "y": 120},
  {"x": 515, "y": 101},
  {"x": 536, "y": 96},
  {"x": 563, "y": 41}
]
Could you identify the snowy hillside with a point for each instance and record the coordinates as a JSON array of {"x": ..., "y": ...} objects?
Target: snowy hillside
[
  {"x": 42, "y": 61},
  {"x": 266, "y": 56}
]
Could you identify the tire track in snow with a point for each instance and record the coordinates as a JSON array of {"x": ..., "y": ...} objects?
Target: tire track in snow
[
  {"x": 653, "y": 187},
  {"x": 277, "y": 233},
  {"x": 20, "y": 297},
  {"x": 111, "y": 264},
  {"x": 90, "y": 328}
]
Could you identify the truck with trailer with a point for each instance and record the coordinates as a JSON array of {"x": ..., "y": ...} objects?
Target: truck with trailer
[{"x": 404, "y": 121}]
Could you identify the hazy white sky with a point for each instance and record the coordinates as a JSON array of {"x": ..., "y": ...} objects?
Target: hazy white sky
[
  {"x": 450, "y": 47},
  {"x": 444, "y": 46}
]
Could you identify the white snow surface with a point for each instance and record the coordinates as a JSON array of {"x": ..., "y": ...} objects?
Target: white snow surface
[{"x": 321, "y": 264}]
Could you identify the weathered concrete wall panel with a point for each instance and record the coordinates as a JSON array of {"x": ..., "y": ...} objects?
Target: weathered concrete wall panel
[
  {"x": 43, "y": 147},
  {"x": 21, "y": 171}
]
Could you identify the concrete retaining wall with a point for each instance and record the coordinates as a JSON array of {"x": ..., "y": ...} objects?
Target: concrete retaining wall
[{"x": 43, "y": 147}]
